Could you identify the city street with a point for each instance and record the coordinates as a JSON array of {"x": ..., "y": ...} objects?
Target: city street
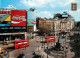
[
  {"x": 28, "y": 51},
  {"x": 33, "y": 46},
  {"x": 35, "y": 43}
]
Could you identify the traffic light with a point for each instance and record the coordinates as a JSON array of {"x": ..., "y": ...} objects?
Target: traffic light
[{"x": 73, "y": 6}]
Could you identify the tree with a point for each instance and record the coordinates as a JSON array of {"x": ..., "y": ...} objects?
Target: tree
[
  {"x": 76, "y": 45},
  {"x": 78, "y": 24}
]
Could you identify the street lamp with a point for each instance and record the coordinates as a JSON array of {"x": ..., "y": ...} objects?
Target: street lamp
[
  {"x": 42, "y": 42},
  {"x": 38, "y": 48},
  {"x": 47, "y": 49},
  {"x": 44, "y": 46},
  {"x": 51, "y": 44}
]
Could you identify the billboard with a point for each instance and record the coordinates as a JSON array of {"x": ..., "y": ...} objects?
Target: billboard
[
  {"x": 18, "y": 18},
  {"x": 14, "y": 22},
  {"x": 31, "y": 18},
  {"x": 5, "y": 19},
  {"x": 65, "y": 14},
  {"x": 5, "y": 12}
]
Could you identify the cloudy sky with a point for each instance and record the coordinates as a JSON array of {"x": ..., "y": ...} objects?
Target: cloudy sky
[{"x": 45, "y": 8}]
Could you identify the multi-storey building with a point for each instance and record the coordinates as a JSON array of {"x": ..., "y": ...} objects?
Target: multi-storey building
[{"x": 57, "y": 25}]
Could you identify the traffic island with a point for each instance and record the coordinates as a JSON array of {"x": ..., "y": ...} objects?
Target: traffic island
[
  {"x": 48, "y": 50},
  {"x": 40, "y": 51}
]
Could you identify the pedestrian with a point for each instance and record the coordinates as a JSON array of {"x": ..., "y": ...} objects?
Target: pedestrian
[{"x": 32, "y": 37}]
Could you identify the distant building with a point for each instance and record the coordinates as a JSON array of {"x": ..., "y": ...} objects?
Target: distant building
[
  {"x": 59, "y": 16},
  {"x": 39, "y": 19},
  {"x": 56, "y": 25}
]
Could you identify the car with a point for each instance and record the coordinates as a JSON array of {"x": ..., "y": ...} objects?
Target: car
[{"x": 2, "y": 50}]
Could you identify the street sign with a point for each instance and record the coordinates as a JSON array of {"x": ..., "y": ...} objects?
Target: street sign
[{"x": 73, "y": 6}]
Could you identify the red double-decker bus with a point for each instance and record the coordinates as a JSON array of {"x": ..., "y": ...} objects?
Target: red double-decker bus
[
  {"x": 50, "y": 39},
  {"x": 21, "y": 43},
  {"x": 17, "y": 40},
  {"x": 20, "y": 40}
]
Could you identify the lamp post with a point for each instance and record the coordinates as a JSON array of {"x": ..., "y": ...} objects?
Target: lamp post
[
  {"x": 44, "y": 46},
  {"x": 55, "y": 33},
  {"x": 38, "y": 48},
  {"x": 47, "y": 49},
  {"x": 51, "y": 44},
  {"x": 42, "y": 42}
]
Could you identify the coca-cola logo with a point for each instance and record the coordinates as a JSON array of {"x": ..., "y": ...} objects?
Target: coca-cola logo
[{"x": 17, "y": 17}]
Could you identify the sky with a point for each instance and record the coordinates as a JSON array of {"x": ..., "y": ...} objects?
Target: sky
[{"x": 45, "y": 8}]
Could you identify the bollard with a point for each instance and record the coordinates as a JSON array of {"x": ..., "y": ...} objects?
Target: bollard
[{"x": 38, "y": 49}]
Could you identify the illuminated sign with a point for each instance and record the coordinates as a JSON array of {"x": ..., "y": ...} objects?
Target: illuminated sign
[
  {"x": 12, "y": 28},
  {"x": 5, "y": 12},
  {"x": 65, "y": 14},
  {"x": 31, "y": 18},
  {"x": 18, "y": 18}
]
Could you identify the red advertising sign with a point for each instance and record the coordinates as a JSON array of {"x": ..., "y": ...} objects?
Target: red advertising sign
[
  {"x": 18, "y": 18},
  {"x": 34, "y": 22},
  {"x": 4, "y": 12}
]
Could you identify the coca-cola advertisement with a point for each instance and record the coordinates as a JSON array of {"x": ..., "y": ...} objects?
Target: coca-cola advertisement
[{"x": 18, "y": 17}]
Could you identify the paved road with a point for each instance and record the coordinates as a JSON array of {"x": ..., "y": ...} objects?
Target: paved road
[
  {"x": 28, "y": 51},
  {"x": 31, "y": 48}
]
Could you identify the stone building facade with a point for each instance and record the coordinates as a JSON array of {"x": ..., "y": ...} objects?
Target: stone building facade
[{"x": 57, "y": 25}]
